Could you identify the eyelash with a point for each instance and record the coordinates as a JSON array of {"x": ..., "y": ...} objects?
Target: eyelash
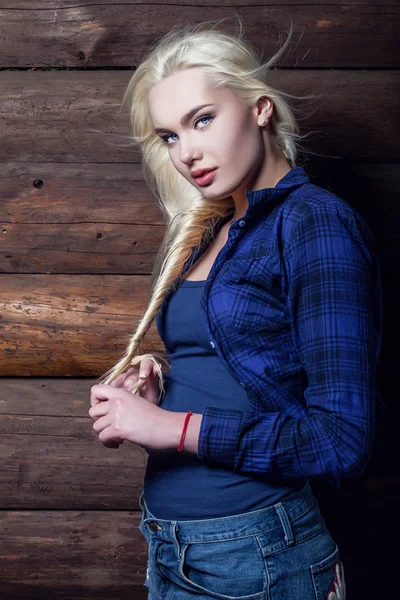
[{"x": 165, "y": 137}]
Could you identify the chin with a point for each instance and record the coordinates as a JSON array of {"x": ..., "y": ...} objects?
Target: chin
[
  {"x": 214, "y": 195},
  {"x": 215, "y": 191}
]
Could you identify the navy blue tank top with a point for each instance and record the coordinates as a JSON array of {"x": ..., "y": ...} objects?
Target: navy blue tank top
[{"x": 178, "y": 485}]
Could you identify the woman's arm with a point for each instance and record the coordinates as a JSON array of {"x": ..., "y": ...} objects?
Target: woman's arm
[{"x": 332, "y": 276}]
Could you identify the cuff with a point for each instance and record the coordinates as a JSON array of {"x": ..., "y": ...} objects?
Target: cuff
[{"x": 218, "y": 435}]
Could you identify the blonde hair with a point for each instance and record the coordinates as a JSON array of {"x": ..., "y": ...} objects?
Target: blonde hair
[{"x": 230, "y": 62}]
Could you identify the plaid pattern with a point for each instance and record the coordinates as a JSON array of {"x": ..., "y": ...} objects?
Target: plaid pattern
[{"x": 293, "y": 307}]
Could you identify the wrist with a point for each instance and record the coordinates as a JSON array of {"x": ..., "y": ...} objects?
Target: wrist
[{"x": 191, "y": 440}]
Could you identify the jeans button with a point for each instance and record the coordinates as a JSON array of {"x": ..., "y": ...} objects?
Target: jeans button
[{"x": 153, "y": 526}]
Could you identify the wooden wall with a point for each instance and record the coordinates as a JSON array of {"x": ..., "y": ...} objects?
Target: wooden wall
[{"x": 79, "y": 232}]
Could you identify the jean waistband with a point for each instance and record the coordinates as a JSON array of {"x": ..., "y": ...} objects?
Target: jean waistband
[{"x": 279, "y": 517}]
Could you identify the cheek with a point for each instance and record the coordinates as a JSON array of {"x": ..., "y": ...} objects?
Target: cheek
[
  {"x": 240, "y": 147},
  {"x": 174, "y": 158}
]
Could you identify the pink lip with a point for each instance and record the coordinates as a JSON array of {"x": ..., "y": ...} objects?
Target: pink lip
[{"x": 206, "y": 178}]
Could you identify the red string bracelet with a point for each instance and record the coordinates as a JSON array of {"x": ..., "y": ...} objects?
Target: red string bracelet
[{"x": 180, "y": 446}]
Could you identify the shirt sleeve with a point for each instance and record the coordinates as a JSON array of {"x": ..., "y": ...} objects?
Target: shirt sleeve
[{"x": 332, "y": 277}]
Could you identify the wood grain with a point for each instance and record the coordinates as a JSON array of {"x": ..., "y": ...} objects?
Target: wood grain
[
  {"x": 72, "y": 554},
  {"x": 54, "y": 462},
  {"x": 74, "y": 326},
  {"x": 117, "y": 34},
  {"x": 76, "y": 193},
  {"x": 51, "y": 456},
  {"x": 79, "y": 248}
]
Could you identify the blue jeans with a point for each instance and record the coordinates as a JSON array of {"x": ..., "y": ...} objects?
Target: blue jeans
[{"x": 282, "y": 552}]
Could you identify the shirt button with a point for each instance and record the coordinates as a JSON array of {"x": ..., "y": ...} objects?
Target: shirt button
[
  {"x": 212, "y": 344},
  {"x": 242, "y": 222}
]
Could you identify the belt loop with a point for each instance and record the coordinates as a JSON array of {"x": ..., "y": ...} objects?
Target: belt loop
[
  {"x": 175, "y": 529},
  {"x": 284, "y": 519}
]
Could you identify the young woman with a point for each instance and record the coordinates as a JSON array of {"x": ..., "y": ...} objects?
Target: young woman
[{"x": 266, "y": 293}]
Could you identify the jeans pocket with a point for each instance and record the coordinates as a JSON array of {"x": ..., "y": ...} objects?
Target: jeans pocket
[
  {"x": 229, "y": 569},
  {"x": 328, "y": 578}
]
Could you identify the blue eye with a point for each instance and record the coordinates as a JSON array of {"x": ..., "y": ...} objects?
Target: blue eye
[
  {"x": 165, "y": 138},
  {"x": 207, "y": 117}
]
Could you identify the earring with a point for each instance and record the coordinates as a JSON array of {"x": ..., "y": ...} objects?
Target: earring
[{"x": 263, "y": 122}]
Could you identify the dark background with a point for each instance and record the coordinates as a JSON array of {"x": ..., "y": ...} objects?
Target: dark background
[{"x": 79, "y": 233}]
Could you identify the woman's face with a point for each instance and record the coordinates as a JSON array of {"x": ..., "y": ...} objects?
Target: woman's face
[{"x": 224, "y": 136}]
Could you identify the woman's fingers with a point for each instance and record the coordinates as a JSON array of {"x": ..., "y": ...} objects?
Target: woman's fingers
[
  {"x": 130, "y": 381},
  {"x": 146, "y": 367},
  {"x": 126, "y": 379},
  {"x": 109, "y": 439},
  {"x": 99, "y": 410},
  {"x": 102, "y": 422},
  {"x": 145, "y": 373},
  {"x": 141, "y": 380},
  {"x": 119, "y": 380},
  {"x": 101, "y": 392}
]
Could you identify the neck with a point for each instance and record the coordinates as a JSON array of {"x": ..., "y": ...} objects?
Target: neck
[{"x": 274, "y": 168}]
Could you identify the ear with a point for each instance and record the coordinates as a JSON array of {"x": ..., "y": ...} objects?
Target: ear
[{"x": 262, "y": 110}]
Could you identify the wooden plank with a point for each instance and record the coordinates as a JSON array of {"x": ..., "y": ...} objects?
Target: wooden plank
[
  {"x": 67, "y": 218},
  {"x": 59, "y": 462},
  {"x": 40, "y": 193},
  {"x": 88, "y": 34},
  {"x": 51, "y": 456},
  {"x": 56, "y": 397},
  {"x": 80, "y": 248},
  {"x": 102, "y": 219},
  {"x": 65, "y": 117},
  {"x": 75, "y": 117},
  {"x": 72, "y": 554},
  {"x": 76, "y": 326},
  {"x": 60, "y": 4}
]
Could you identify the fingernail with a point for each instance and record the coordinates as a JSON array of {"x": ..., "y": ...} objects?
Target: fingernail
[{"x": 143, "y": 374}]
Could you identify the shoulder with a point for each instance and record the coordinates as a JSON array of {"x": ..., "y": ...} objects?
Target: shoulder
[{"x": 314, "y": 211}]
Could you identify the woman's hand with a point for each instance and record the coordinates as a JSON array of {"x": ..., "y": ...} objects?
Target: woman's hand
[
  {"x": 120, "y": 415},
  {"x": 128, "y": 379}
]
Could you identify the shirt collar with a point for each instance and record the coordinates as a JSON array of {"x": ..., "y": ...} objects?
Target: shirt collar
[
  {"x": 293, "y": 179},
  {"x": 257, "y": 199}
]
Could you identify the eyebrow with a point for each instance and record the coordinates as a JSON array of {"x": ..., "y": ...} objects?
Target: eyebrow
[{"x": 184, "y": 120}]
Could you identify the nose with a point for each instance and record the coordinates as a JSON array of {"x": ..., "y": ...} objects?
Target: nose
[{"x": 188, "y": 151}]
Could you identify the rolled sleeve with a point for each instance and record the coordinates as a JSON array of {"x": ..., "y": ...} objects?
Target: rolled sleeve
[{"x": 219, "y": 435}]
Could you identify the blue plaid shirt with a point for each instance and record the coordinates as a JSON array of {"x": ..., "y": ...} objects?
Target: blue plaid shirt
[{"x": 293, "y": 307}]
